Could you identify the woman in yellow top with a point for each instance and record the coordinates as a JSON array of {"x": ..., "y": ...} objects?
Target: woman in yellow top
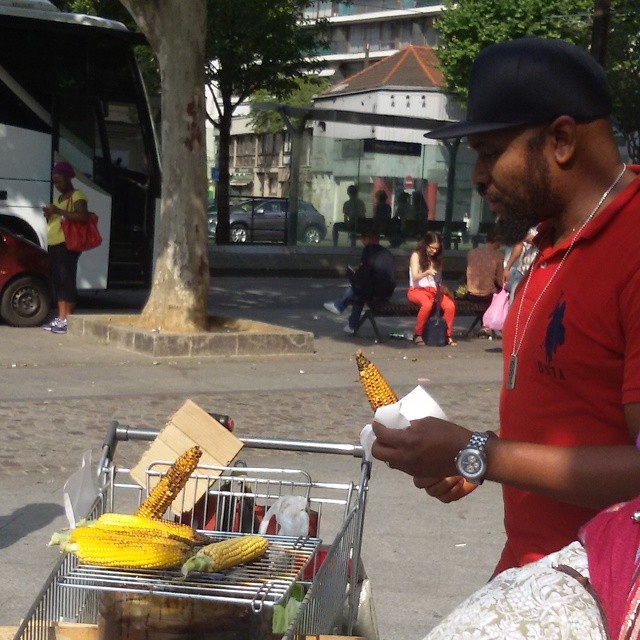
[{"x": 71, "y": 204}]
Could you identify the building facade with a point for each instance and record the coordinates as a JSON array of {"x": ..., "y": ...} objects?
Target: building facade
[
  {"x": 365, "y": 31},
  {"x": 380, "y": 59}
]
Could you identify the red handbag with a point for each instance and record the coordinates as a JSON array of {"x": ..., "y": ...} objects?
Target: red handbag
[{"x": 81, "y": 236}]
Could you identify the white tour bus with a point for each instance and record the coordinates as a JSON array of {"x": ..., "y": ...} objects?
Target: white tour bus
[{"x": 70, "y": 89}]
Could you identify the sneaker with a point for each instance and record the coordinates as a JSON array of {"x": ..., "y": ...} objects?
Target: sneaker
[
  {"x": 348, "y": 329},
  {"x": 49, "y": 326},
  {"x": 60, "y": 327},
  {"x": 331, "y": 306}
]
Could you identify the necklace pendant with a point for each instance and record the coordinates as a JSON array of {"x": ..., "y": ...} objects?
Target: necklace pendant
[{"x": 511, "y": 375}]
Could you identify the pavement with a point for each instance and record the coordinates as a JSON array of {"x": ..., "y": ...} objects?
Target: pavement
[{"x": 60, "y": 393}]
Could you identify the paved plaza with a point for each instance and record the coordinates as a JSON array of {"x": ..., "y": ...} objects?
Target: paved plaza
[{"x": 59, "y": 394}]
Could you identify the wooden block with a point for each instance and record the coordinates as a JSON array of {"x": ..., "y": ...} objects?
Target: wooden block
[
  {"x": 76, "y": 631},
  {"x": 57, "y": 631},
  {"x": 7, "y": 633}
]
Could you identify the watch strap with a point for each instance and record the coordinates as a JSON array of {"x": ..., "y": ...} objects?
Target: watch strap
[{"x": 477, "y": 442}]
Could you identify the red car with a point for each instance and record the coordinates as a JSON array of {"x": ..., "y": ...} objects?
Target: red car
[{"x": 25, "y": 286}]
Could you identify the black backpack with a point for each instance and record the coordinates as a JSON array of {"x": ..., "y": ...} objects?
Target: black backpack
[{"x": 434, "y": 333}]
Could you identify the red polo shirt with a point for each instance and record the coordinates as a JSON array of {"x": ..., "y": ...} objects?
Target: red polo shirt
[{"x": 578, "y": 364}]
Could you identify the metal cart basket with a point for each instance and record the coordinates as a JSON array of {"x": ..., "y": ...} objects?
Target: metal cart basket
[{"x": 322, "y": 569}]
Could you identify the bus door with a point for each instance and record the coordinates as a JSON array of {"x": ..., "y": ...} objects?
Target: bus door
[
  {"x": 104, "y": 141},
  {"x": 77, "y": 139},
  {"x": 133, "y": 195}
]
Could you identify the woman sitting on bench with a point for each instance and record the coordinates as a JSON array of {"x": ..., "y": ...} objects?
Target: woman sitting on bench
[{"x": 425, "y": 276}]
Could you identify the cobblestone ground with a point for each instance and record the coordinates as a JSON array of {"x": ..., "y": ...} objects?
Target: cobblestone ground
[
  {"x": 58, "y": 396},
  {"x": 52, "y": 435}
]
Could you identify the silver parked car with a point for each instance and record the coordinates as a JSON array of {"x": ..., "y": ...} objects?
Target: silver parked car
[{"x": 265, "y": 220}]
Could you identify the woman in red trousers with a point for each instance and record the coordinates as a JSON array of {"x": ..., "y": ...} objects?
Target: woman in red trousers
[{"x": 425, "y": 275}]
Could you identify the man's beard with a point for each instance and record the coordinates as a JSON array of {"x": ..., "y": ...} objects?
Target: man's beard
[
  {"x": 511, "y": 229},
  {"x": 534, "y": 201}
]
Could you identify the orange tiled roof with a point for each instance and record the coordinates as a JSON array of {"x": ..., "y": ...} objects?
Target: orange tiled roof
[{"x": 412, "y": 67}]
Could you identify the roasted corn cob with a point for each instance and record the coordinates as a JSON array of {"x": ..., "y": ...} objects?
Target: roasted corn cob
[
  {"x": 226, "y": 554},
  {"x": 115, "y": 535},
  {"x": 171, "y": 484},
  {"x": 160, "y": 526},
  {"x": 124, "y": 548},
  {"x": 376, "y": 388}
]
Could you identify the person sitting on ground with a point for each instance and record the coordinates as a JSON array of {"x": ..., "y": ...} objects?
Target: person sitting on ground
[
  {"x": 425, "y": 278},
  {"x": 374, "y": 280},
  {"x": 353, "y": 211}
]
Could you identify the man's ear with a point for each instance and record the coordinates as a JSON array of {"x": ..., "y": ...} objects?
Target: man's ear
[{"x": 563, "y": 131}]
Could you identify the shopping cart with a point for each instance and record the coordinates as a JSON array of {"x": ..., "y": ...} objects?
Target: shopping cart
[{"x": 323, "y": 570}]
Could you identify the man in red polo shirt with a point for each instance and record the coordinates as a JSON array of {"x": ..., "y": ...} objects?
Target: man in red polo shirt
[{"x": 538, "y": 119}]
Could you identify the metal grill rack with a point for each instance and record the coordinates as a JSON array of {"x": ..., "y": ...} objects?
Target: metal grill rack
[{"x": 266, "y": 581}]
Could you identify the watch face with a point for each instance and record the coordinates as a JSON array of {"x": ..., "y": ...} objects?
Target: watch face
[{"x": 471, "y": 464}]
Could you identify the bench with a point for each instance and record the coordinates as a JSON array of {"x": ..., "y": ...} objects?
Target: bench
[
  {"x": 481, "y": 236},
  {"x": 413, "y": 230},
  {"x": 405, "y": 309}
]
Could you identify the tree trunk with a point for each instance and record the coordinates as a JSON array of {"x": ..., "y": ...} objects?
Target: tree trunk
[
  {"x": 600, "y": 30},
  {"x": 179, "y": 292},
  {"x": 222, "y": 196}
]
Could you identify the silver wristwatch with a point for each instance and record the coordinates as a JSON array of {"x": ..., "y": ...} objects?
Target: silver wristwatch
[{"x": 471, "y": 460}]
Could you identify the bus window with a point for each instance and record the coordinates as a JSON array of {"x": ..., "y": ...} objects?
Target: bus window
[
  {"x": 124, "y": 136},
  {"x": 77, "y": 132}
]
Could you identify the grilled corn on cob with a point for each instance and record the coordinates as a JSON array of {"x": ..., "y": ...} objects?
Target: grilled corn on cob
[
  {"x": 376, "y": 388},
  {"x": 136, "y": 523},
  {"x": 226, "y": 554},
  {"x": 171, "y": 484},
  {"x": 123, "y": 548}
]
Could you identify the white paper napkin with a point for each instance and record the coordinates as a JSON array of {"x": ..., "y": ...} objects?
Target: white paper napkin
[{"x": 415, "y": 405}]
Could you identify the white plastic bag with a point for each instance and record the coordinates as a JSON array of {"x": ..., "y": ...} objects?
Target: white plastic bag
[
  {"x": 79, "y": 492},
  {"x": 495, "y": 315},
  {"x": 291, "y": 515}
]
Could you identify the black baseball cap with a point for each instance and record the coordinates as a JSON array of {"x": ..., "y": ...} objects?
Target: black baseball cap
[{"x": 530, "y": 81}]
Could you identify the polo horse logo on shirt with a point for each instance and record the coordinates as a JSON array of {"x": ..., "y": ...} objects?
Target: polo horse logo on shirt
[{"x": 555, "y": 331}]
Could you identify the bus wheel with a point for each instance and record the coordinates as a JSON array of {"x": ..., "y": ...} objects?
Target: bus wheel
[{"x": 25, "y": 302}]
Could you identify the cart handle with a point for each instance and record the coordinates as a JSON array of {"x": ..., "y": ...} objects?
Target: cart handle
[{"x": 121, "y": 432}]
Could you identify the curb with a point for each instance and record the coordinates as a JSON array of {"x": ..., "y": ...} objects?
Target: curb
[{"x": 229, "y": 338}]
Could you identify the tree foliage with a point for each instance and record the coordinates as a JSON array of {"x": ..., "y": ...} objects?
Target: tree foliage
[
  {"x": 467, "y": 26},
  {"x": 258, "y": 44},
  {"x": 623, "y": 68},
  {"x": 114, "y": 10},
  {"x": 111, "y": 9},
  {"x": 254, "y": 45},
  {"x": 269, "y": 121}
]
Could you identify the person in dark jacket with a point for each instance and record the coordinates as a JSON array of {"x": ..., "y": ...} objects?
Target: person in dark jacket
[{"x": 373, "y": 280}]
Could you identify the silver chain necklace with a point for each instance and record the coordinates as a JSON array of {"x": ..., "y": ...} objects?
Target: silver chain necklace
[{"x": 517, "y": 344}]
